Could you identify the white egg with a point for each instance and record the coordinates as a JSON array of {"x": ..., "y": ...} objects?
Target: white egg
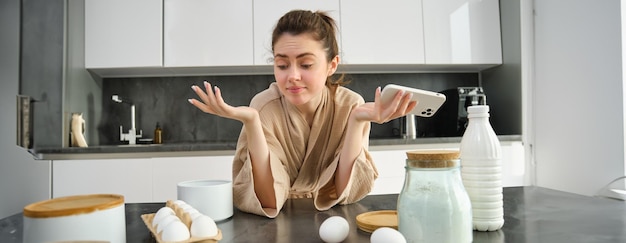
[
  {"x": 185, "y": 207},
  {"x": 334, "y": 229},
  {"x": 160, "y": 214},
  {"x": 194, "y": 215},
  {"x": 203, "y": 226},
  {"x": 165, "y": 222},
  {"x": 387, "y": 235},
  {"x": 191, "y": 210},
  {"x": 180, "y": 202},
  {"x": 175, "y": 231}
]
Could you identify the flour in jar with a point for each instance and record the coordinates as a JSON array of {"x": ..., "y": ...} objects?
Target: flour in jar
[{"x": 436, "y": 208}]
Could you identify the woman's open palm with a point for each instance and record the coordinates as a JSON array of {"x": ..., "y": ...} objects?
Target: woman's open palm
[
  {"x": 212, "y": 102},
  {"x": 380, "y": 113}
]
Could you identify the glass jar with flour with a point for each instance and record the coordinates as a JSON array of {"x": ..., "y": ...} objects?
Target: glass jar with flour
[{"x": 433, "y": 205}]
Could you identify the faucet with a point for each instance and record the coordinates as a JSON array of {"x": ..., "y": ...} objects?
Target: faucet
[
  {"x": 410, "y": 129},
  {"x": 131, "y": 136}
]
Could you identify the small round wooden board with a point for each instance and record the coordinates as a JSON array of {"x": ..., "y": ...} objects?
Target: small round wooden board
[{"x": 371, "y": 221}]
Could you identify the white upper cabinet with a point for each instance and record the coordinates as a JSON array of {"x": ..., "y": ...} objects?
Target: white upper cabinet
[
  {"x": 266, "y": 15},
  {"x": 382, "y": 32},
  {"x": 207, "y": 33},
  {"x": 121, "y": 33},
  {"x": 191, "y": 37},
  {"x": 462, "y": 32}
]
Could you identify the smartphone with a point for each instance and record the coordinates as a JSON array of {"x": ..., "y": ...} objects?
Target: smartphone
[{"x": 428, "y": 102}]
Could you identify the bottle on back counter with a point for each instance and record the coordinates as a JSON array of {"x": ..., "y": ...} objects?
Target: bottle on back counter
[
  {"x": 158, "y": 134},
  {"x": 481, "y": 170}
]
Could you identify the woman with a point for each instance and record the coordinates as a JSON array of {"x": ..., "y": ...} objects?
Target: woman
[{"x": 305, "y": 136}]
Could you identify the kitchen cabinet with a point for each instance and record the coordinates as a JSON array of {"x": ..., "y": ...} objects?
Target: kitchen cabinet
[
  {"x": 123, "y": 34},
  {"x": 207, "y": 33},
  {"x": 462, "y": 32},
  {"x": 168, "y": 172},
  {"x": 390, "y": 164},
  {"x": 139, "y": 180},
  {"x": 155, "y": 179},
  {"x": 129, "y": 177},
  {"x": 372, "y": 36},
  {"x": 421, "y": 32},
  {"x": 169, "y": 33},
  {"x": 203, "y": 36},
  {"x": 267, "y": 13}
]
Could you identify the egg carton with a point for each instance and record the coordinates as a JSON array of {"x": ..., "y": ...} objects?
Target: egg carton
[{"x": 186, "y": 219}]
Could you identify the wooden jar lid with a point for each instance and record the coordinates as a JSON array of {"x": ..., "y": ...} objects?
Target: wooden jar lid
[
  {"x": 72, "y": 205},
  {"x": 371, "y": 221},
  {"x": 433, "y": 158},
  {"x": 432, "y": 154}
]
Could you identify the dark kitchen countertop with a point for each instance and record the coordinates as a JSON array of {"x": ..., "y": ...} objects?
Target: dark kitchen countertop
[
  {"x": 531, "y": 214},
  {"x": 208, "y": 149},
  {"x": 136, "y": 151}
]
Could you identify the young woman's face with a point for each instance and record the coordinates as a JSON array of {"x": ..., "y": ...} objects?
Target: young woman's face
[{"x": 301, "y": 69}]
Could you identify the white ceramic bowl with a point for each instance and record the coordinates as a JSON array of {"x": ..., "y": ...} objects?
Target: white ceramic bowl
[
  {"x": 213, "y": 198},
  {"x": 96, "y": 217}
]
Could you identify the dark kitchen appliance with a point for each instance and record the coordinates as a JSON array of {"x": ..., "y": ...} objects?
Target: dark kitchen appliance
[{"x": 451, "y": 119}]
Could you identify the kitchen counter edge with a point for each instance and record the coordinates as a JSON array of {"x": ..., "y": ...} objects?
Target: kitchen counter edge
[{"x": 216, "y": 149}]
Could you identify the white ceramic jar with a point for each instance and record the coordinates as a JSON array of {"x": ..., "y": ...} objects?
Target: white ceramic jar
[
  {"x": 95, "y": 217},
  {"x": 213, "y": 198}
]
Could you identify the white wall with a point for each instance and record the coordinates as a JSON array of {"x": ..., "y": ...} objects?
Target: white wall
[
  {"x": 577, "y": 95},
  {"x": 623, "y": 22},
  {"x": 22, "y": 179}
]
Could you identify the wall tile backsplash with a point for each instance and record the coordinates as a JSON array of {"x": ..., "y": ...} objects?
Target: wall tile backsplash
[{"x": 164, "y": 100}]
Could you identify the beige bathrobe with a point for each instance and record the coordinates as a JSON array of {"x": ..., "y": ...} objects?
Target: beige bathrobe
[{"x": 303, "y": 160}]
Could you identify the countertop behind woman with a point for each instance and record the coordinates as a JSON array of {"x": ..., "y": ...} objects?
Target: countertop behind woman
[{"x": 210, "y": 149}]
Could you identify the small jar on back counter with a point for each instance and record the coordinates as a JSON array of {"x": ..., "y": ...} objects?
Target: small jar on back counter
[
  {"x": 158, "y": 133},
  {"x": 433, "y": 205}
]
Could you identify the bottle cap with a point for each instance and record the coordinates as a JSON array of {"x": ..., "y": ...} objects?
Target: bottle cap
[{"x": 477, "y": 109}]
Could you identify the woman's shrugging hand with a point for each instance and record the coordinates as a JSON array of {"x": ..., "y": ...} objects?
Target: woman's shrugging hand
[
  {"x": 211, "y": 102},
  {"x": 380, "y": 113}
]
